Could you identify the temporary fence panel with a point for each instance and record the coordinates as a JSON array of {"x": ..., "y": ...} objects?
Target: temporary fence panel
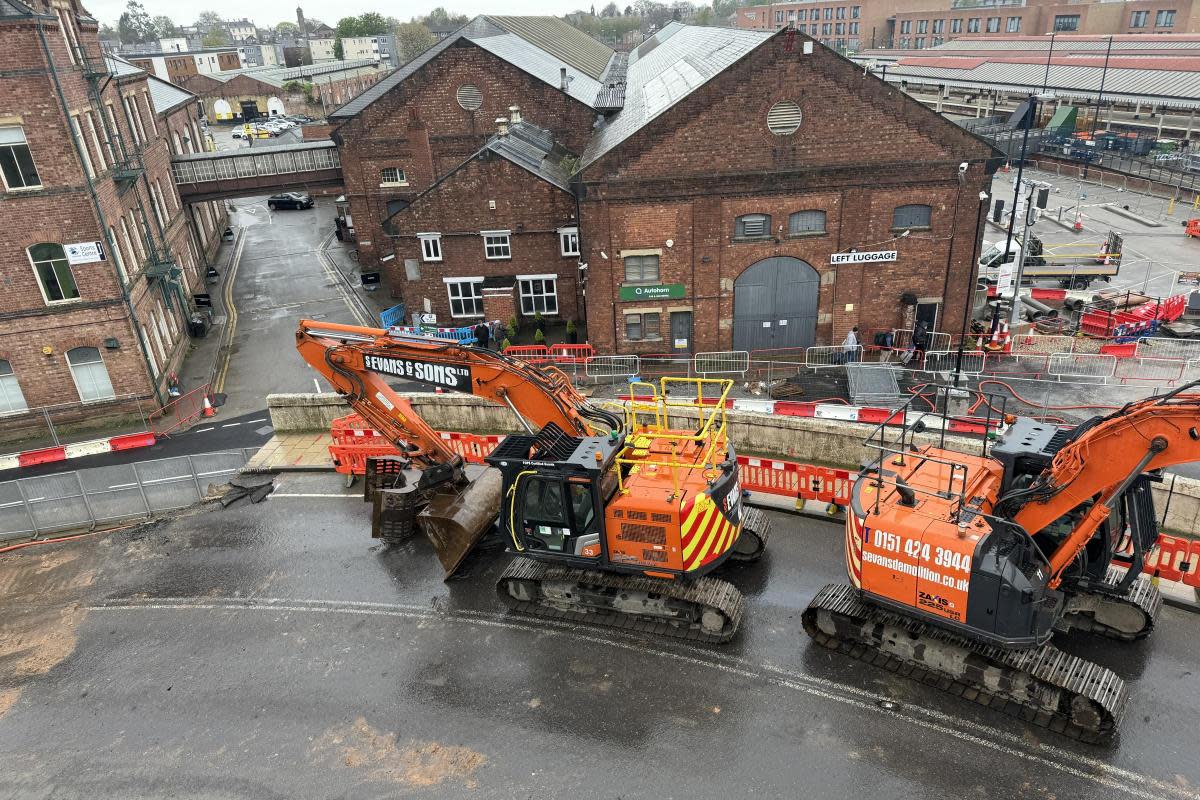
[
  {"x": 937, "y": 341},
  {"x": 832, "y": 355},
  {"x": 1020, "y": 364},
  {"x": 1079, "y": 365},
  {"x": 1160, "y": 370},
  {"x": 533, "y": 353},
  {"x": 723, "y": 363},
  {"x": 69, "y": 500},
  {"x": 570, "y": 353},
  {"x": 948, "y": 360},
  {"x": 1042, "y": 345},
  {"x": 611, "y": 366},
  {"x": 657, "y": 365},
  {"x": 1164, "y": 347}
]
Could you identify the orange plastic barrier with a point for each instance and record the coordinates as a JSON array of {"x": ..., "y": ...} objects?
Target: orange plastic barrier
[
  {"x": 471, "y": 446},
  {"x": 798, "y": 482},
  {"x": 569, "y": 353},
  {"x": 533, "y": 353},
  {"x": 351, "y": 459},
  {"x": 353, "y": 429},
  {"x": 1175, "y": 559}
]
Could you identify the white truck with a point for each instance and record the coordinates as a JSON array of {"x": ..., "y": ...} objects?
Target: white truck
[{"x": 1072, "y": 270}]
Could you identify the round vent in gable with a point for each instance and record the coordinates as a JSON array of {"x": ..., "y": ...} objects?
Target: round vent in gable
[
  {"x": 469, "y": 97},
  {"x": 784, "y": 118}
]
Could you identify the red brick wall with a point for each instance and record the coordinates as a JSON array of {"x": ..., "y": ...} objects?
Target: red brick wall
[
  {"x": 529, "y": 207},
  {"x": 862, "y": 149},
  {"x": 420, "y": 127},
  {"x": 63, "y": 211}
]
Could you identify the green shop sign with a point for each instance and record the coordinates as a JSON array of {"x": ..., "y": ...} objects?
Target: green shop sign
[{"x": 670, "y": 291}]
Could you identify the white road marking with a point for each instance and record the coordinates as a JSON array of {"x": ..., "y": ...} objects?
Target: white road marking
[
  {"x": 203, "y": 430},
  {"x": 312, "y": 494},
  {"x": 260, "y": 419},
  {"x": 231, "y": 424},
  {"x": 122, "y": 485},
  {"x": 1084, "y": 768}
]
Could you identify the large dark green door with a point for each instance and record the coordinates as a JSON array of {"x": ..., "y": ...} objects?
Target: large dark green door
[{"x": 775, "y": 305}]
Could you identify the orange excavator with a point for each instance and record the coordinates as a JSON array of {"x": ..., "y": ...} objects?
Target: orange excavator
[
  {"x": 614, "y": 519},
  {"x": 962, "y": 567}
]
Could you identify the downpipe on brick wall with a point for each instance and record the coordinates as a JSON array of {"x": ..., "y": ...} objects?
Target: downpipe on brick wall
[{"x": 62, "y": 101}]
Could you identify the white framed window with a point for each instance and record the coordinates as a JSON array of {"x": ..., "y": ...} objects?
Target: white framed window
[
  {"x": 431, "y": 246},
  {"x": 150, "y": 111},
  {"x": 497, "y": 245},
  {"x": 77, "y": 133},
  {"x": 392, "y": 176},
  {"x": 90, "y": 374},
  {"x": 644, "y": 326},
  {"x": 54, "y": 275},
  {"x": 12, "y": 401},
  {"x": 466, "y": 296},
  {"x": 641, "y": 269},
  {"x": 539, "y": 294},
  {"x": 150, "y": 353},
  {"x": 16, "y": 162},
  {"x": 568, "y": 241},
  {"x": 91, "y": 127}
]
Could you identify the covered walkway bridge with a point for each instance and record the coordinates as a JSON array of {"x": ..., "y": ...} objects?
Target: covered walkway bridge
[{"x": 256, "y": 170}]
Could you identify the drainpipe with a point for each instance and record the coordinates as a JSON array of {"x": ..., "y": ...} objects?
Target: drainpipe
[{"x": 62, "y": 100}]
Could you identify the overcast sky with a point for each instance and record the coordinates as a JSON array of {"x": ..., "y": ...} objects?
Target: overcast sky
[{"x": 266, "y": 13}]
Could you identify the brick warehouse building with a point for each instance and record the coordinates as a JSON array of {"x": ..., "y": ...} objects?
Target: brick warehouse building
[
  {"x": 716, "y": 172},
  {"x": 99, "y": 258}
]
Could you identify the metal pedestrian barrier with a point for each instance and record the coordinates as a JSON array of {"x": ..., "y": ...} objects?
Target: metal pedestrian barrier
[
  {"x": 723, "y": 363},
  {"x": 89, "y": 497},
  {"x": 946, "y": 361},
  {"x": 834, "y": 355},
  {"x": 611, "y": 366},
  {"x": 1079, "y": 365}
]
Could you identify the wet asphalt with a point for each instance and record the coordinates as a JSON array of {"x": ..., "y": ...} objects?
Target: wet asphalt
[{"x": 276, "y": 651}]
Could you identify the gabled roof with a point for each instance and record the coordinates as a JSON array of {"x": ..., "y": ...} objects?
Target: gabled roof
[
  {"x": 530, "y": 147},
  {"x": 540, "y": 46},
  {"x": 120, "y": 67},
  {"x": 665, "y": 69},
  {"x": 15, "y": 8},
  {"x": 166, "y": 95}
]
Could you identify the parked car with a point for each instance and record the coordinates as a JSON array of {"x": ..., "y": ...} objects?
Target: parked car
[{"x": 298, "y": 200}]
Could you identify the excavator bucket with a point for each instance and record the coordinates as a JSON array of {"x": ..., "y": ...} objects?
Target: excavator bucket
[{"x": 457, "y": 517}]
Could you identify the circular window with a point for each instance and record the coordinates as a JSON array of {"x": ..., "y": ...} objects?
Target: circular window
[
  {"x": 784, "y": 118},
  {"x": 469, "y": 97}
]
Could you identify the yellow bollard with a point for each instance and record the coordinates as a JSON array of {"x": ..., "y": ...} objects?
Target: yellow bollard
[
  {"x": 1195, "y": 202},
  {"x": 1171, "y": 207}
]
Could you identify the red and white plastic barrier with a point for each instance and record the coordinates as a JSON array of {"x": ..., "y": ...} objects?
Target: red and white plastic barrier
[{"x": 48, "y": 455}]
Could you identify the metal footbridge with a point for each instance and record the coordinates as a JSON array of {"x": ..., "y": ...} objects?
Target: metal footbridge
[{"x": 256, "y": 170}]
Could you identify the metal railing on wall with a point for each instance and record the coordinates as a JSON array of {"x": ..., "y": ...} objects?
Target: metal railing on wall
[{"x": 32, "y": 507}]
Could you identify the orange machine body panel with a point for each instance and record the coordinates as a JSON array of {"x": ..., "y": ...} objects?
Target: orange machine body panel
[
  {"x": 679, "y": 518},
  {"x": 918, "y": 556}
]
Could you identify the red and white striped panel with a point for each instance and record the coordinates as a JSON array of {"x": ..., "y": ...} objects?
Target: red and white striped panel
[{"x": 47, "y": 455}]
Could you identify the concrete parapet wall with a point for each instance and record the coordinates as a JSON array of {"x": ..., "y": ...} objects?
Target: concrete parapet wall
[{"x": 814, "y": 441}]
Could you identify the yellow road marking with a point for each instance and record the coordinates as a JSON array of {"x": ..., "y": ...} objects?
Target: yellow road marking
[{"x": 230, "y": 313}]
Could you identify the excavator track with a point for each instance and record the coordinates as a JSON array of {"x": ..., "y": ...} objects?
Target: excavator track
[
  {"x": 1040, "y": 685},
  {"x": 1125, "y": 617},
  {"x": 752, "y": 540},
  {"x": 704, "y": 610}
]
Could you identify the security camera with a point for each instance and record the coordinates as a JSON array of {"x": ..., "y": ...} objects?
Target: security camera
[{"x": 962, "y": 168}]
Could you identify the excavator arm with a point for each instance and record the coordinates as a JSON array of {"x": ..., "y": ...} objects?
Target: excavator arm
[
  {"x": 357, "y": 361},
  {"x": 1101, "y": 460}
]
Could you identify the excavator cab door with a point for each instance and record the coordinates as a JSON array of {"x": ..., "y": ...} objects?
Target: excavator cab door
[{"x": 556, "y": 515}]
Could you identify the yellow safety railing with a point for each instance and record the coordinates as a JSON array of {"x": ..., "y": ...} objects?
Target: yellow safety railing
[{"x": 648, "y": 424}]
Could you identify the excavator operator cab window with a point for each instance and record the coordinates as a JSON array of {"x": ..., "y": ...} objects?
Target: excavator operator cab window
[{"x": 558, "y": 516}]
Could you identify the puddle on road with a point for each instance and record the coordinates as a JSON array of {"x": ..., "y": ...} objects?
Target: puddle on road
[{"x": 377, "y": 755}]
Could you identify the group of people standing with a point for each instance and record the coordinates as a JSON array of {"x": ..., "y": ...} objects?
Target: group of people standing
[
  {"x": 920, "y": 343},
  {"x": 489, "y": 334}
]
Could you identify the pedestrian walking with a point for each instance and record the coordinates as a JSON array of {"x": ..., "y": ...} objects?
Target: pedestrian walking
[
  {"x": 482, "y": 335},
  {"x": 497, "y": 333},
  {"x": 920, "y": 341},
  {"x": 850, "y": 346}
]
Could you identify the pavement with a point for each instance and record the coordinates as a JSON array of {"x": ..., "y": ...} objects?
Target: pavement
[{"x": 276, "y": 651}]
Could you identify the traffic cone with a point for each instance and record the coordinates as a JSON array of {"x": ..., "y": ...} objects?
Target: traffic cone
[
  {"x": 208, "y": 409},
  {"x": 1005, "y": 168}
]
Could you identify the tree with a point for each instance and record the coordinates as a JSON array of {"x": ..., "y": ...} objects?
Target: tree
[
  {"x": 287, "y": 29},
  {"x": 441, "y": 17},
  {"x": 135, "y": 26},
  {"x": 412, "y": 39},
  {"x": 610, "y": 10},
  {"x": 209, "y": 21},
  {"x": 164, "y": 27},
  {"x": 372, "y": 24},
  {"x": 216, "y": 38},
  {"x": 629, "y": 11},
  {"x": 339, "y": 52},
  {"x": 703, "y": 17}
]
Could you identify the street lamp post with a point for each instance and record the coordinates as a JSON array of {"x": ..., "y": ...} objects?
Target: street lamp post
[{"x": 980, "y": 215}]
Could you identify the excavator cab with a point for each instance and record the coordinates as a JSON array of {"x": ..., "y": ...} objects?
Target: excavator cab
[{"x": 554, "y": 489}]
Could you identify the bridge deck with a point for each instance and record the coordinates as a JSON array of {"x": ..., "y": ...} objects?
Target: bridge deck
[{"x": 256, "y": 170}]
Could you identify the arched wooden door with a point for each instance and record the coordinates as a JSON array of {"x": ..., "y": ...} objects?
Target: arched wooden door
[{"x": 775, "y": 305}]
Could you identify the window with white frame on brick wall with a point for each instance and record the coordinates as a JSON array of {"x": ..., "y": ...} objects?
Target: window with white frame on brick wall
[
  {"x": 431, "y": 246},
  {"x": 497, "y": 245},
  {"x": 539, "y": 294},
  {"x": 392, "y": 176},
  {"x": 466, "y": 296},
  {"x": 16, "y": 161},
  {"x": 568, "y": 241}
]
